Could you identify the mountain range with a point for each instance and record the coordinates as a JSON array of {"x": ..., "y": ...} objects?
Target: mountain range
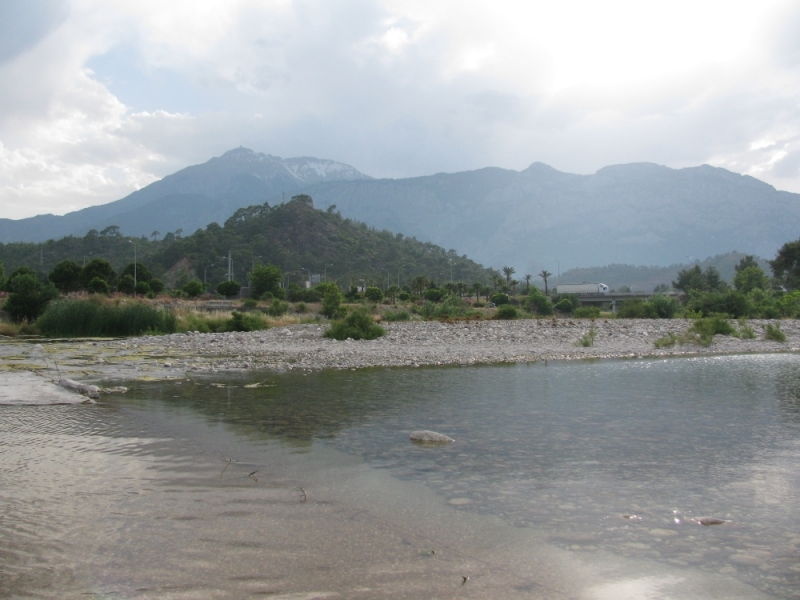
[{"x": 537, "y": 218}]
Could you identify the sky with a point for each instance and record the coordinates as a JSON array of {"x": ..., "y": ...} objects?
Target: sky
[{"x": 99, "y": 98}]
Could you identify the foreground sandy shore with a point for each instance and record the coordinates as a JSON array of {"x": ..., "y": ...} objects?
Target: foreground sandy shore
[{"x": 406, "y": 344}]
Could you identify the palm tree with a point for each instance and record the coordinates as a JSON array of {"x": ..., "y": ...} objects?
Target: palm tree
[
  {"x": 527, "y": 283},
  {"x": 155, "y": 234},
  {"x": 508, "y": 272},
  {"x": 477, "y": 287},
  {"x": 544, "y": 275},
  {"x": 419, "y": 284}
]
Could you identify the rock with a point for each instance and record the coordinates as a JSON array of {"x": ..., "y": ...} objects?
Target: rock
[
  {"x": 430, "y": 437},
  {"x": 709, "y": 521},
  {"x": 92, "y": 391}
]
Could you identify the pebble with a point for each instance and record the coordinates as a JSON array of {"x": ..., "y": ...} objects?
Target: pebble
[{"x": 418, "y": 343}]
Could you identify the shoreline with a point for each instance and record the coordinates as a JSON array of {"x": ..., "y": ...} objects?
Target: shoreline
[{"x": 406, "y": 344}]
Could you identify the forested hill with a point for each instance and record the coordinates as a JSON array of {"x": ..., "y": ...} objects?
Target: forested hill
[
  {"x": 294, "y": 236},
  {"x": 297, "y": 237}
]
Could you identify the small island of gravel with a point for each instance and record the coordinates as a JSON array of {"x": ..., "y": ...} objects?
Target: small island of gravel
[{"x": 406, "y": 344}]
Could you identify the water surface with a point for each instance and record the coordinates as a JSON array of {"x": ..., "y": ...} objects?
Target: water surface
[{"x": 601, "y": 467}]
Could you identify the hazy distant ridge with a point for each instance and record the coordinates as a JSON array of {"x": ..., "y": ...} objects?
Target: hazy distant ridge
[{"x": 637, "y": 213}]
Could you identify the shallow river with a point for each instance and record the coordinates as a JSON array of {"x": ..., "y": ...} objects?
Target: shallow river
[{"x": 567, "y": 480}]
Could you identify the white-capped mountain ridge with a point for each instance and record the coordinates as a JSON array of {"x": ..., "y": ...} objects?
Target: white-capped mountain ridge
[{"x": 538, "y": 218}]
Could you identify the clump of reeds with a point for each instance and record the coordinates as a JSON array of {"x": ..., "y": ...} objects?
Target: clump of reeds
[{"x": 88, "y": 318}]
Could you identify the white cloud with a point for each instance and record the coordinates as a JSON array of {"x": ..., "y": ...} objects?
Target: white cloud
[{"x": 394, "y": 87}]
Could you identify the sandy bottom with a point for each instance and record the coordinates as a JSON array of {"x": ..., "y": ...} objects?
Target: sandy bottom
[{"x": 24, "y": 387}]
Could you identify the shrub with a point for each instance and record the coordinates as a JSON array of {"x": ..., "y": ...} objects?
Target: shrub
[
  {"x": 668, "y": 341},
  {"x": 499, "y": 299},
  {"x": 746, "y": 332},
  {"x": 774, "y": 333},
  {"x": 666, "y": 306},
  {"x": 229, "y": 289},
  {"x": 586, "y": 312},
  {"x": 300, "y": 307},
  {"x": 244, "y": 322},
  {"x": 156, "y": 286},
  {"x": 564, "y": 306},
  {"x": 506, "y": 312},
  {"x": 404, "y": 296},
  {"x": 478, "y": 304},
  {"x": 703, "y": 330},
  {"x": 636, "y": 308},
  {"x": 539, "y": 303},
  {"x": 433, "y": 294},
  {"x": 249, "y": 303},
  {"x": 278, "y": 308},
  {"x": 87, "y": 318},
  {"x": 142, "y": 288},
  {"x": 264, "y": 279},
  {"x": 98, "y": 286},
  {"x": 358, "y": 325},
  {"x": 125, "y": 284},
  {"x": 587, "y": 339},
  {"x": 373, "y": 294},
  {"x": 332, "y": 302},
  {"x": 193, "y": 288},
  {"x": 28, "y": 298},
  {"x": 451, "y": 306},
  {"x": 731, "y": 302},
  {"x": 400, "y": 315}
]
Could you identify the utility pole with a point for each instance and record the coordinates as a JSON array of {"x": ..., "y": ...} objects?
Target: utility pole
[
  {"x": 134, "y": 265},
  {"x": 230, "y": 266}
]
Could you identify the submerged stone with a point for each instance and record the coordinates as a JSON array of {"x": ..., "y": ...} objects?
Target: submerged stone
[{"x": 430, "y": 437}]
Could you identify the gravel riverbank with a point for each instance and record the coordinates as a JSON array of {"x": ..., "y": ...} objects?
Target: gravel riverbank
[{"x": 408, "y": 344}]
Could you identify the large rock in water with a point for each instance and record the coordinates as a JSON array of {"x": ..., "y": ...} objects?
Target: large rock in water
[{"x": 430, "y": 437}]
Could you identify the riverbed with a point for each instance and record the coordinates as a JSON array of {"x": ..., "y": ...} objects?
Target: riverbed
[{"x": 566, "y": 480}]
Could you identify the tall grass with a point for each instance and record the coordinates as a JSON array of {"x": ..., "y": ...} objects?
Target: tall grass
[{"x": 87, "y": 318}]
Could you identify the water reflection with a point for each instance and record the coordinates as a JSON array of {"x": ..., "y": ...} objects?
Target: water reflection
[{"x": 569, "y": 448}]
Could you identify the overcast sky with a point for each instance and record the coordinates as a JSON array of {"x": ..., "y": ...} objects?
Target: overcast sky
[{"x": 101, "y": 97}]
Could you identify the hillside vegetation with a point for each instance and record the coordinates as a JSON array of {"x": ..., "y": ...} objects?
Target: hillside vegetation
[{"x": 294, "y": 236}]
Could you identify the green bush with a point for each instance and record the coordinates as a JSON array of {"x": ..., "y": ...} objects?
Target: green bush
[
  {"x": 731, "y": 302},
  {"x": 668, "y": 341},
  {"x": 636, "y": 308},
  {"x": 539, "y": 303},
  {"x": 506, "y": 312},
  {"x": 400, "y": 315},
  {"x": 774, "y": 333},
  {"x": 28, "y": 298},
  {"x": 125, "y": 284},
  {"x": 244, "y": 322},
  {"x": 249, "y": 303},
  {"x": 433, "y": 294},
  {"x": 98, "y": 286},
  {"x": 587, "y": 339},
  {"x": 746, "y": 332},
  {"x": 451, "y": 306},
  {"x": 358, "y": 325},
  {"x": 278, "y": 308},
  {"x": 666, "y": 306},
  {"x": 564, "y": 306},
  {"x": 703, "y": 330},
  {"x": 142, "y": 288},
  {"x": 300, "y": 308},
  {"x": 86, "y": 318},
  {"x": 229, "y": 289},
  {"x": 332, "y": 302},
  {"x": 193, "y": 288},
  {"x": 404, "y": 296},
  {"x": 499, "y": 299},
  {"x": 586, "y": 312},
  {"x": 373, "y": 294}
]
